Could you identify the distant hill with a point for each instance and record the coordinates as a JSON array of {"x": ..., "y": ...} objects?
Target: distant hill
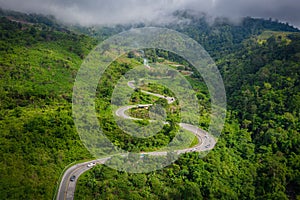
[{"x": 223, "y": 36}]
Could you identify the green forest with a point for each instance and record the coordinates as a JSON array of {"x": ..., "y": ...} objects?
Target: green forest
[{"x": 256, "y": 157}]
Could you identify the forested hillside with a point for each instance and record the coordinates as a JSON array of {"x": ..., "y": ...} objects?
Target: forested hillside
[
  {"x": 256, "y": 157},
  {"x": 38, "y": 66}
]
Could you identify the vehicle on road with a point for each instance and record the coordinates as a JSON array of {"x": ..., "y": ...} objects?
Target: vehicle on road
[
  {"x": 91, "y": 164},
  {"x": 68, "y": 189},
  {"x": 72, "y": 178}
]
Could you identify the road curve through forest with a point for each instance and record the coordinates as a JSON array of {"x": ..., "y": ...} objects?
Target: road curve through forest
[{"x": 67, "y": 187}]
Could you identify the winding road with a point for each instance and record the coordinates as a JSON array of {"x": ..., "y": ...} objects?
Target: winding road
[{"x": 67, "y": 187}]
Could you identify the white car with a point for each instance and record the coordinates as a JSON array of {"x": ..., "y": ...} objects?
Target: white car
[{"x": 91, "y": 164}]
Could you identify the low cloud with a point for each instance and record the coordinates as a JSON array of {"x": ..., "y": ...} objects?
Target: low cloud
[{"x": 90, "y": 12}]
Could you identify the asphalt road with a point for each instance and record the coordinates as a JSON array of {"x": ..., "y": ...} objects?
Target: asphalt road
[
  {"x": 67, "y": 188},
  {"x": 121, "y": 111},
  {"x": 169, "y": 99}
]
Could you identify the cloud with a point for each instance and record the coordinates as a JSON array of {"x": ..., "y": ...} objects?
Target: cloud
[{"x": 88, "y": 12}]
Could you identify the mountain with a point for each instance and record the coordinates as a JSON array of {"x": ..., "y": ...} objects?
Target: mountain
[{"x": 256, "y": 157}]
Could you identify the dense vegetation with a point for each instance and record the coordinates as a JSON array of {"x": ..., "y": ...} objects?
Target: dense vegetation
[
  {"x": 257, "y": 156},
  {"x": 37, "y": 69}
]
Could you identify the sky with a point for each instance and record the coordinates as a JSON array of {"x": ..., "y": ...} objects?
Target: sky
[{"x": 105, "y": 12}]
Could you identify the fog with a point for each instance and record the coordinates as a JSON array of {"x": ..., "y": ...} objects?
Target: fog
[{"x": 104, "y": 12}]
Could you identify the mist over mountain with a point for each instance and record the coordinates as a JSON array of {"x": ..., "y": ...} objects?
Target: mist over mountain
[{"x": 104, "y": 12}]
